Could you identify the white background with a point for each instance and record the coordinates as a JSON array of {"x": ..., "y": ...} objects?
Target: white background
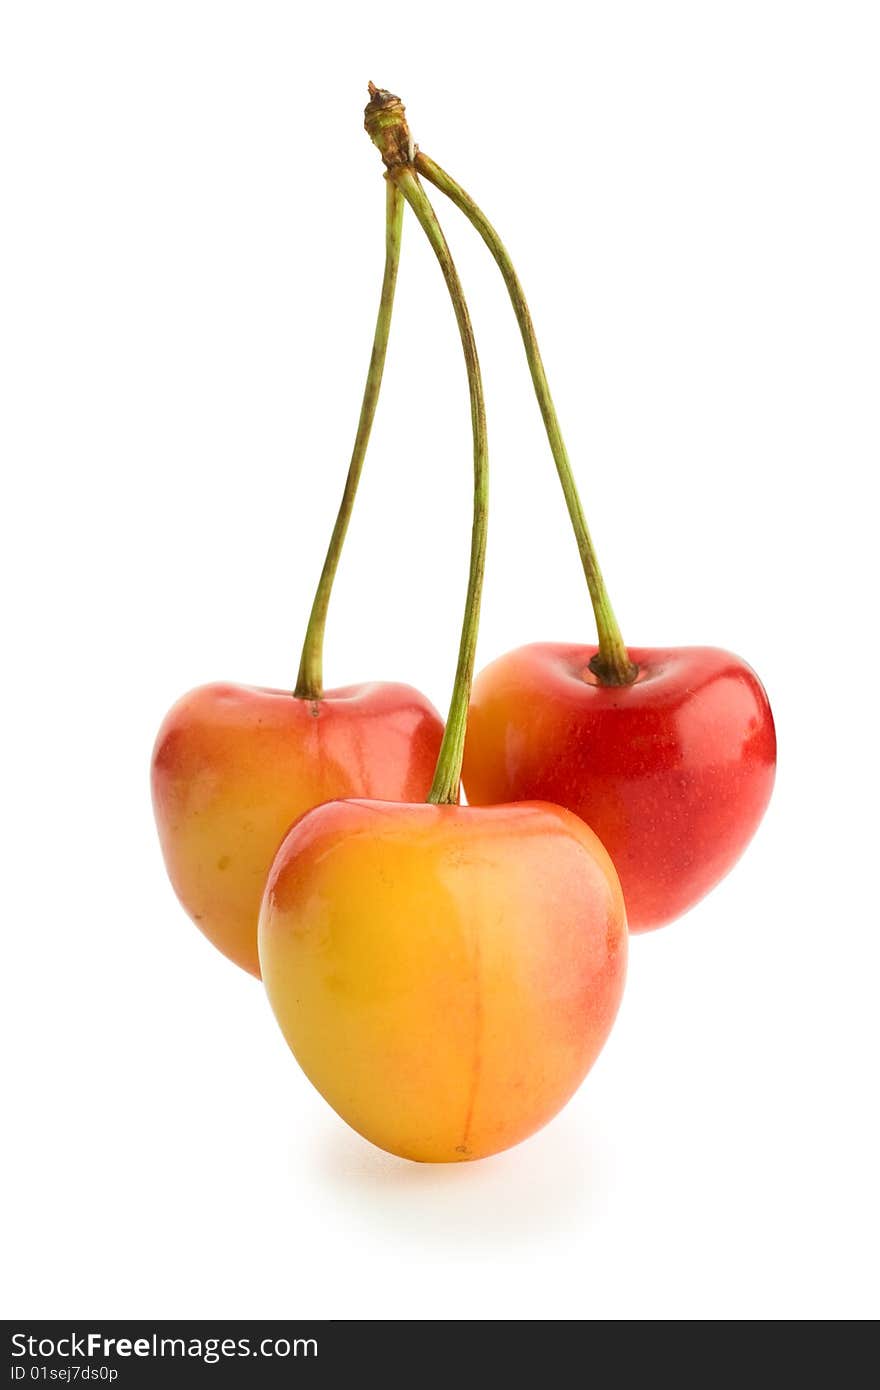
[{"x": 191, "y": 255}]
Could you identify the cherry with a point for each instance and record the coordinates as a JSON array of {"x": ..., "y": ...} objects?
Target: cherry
[
  {"x": 234, "y": 765},
  {"x": 444, "y": 975},
  {"x": 673, "y": 772},
  {"x": 668, "y": 754}
]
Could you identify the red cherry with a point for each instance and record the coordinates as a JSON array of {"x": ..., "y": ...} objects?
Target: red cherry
[{"x": 673, "y": 772}]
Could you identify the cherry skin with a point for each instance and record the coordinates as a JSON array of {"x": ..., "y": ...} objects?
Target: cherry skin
[
  {"x": 234, "y": 766},
  {"x": 445, "y": 976},
  {"x": 673, "y": 772}
]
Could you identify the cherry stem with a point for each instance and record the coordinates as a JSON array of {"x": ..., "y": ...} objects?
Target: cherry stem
[
  {"x": 612, "y": 664},
  {"x": 445, "y": 788},
  {"x": 309, "y": 683},
  {"x": 385, "y": 122}
]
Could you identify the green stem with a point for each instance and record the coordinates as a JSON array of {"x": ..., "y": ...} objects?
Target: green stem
[
  {"x": 447, "y": 776},
  {"x": 309, "y": 683},
  {"x": 612, "y": 664}
]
